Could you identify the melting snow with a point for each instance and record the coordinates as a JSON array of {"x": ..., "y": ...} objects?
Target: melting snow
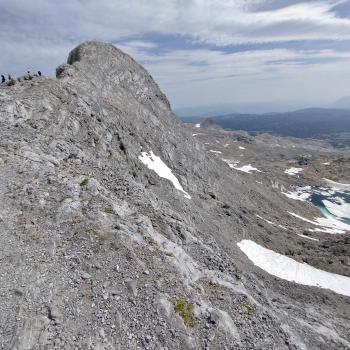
[
  {"x": 271, "y": 222},
  {"x": 293, "y": 171},
  {"x": 338, "y": 184},
  {"x": 328, "y": 224},
  {"x": 154, "y": 163},
  {"x": 341, "y": 210},
  {"x": 288, "y": 269},
  {"x": 231, "y": 163},
  {"x": 307, "y": 237},
  {"x": 299, "y": 196},
  {"x": 247, "y": 169},
  {"x": 268, "y": 221}
]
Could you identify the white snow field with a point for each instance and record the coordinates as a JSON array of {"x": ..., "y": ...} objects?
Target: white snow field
[
  {"x": 288, "y": 269},
  {"x": 293, "y": 171},
  {"x": 154, "y": 163},
  {"x": 341, "y": 210}
]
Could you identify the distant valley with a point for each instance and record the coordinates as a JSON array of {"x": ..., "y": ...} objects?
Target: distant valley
[{"x": 328, "y": 124}]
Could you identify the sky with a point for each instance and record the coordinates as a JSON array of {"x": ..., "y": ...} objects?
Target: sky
[{"x": 200, "y": 52}]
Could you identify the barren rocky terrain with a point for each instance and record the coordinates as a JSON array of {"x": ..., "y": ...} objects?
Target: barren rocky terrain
[{"x": 122, "y": 228}]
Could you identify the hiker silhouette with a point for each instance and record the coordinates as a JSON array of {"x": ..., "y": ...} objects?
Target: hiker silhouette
[
  {"x": 39, "y": 73},
  {"x": 2, "y": 79}
]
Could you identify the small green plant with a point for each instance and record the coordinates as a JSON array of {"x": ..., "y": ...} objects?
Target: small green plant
[
  {"x": 214, "y": 286},
  {"x": 185, "y": 310},
  {"x": 248, "y": 309},
  {"x": 84, "y": 182},
  {"x": 238, "y": 272},
  {"x": 108, "y": 210}
]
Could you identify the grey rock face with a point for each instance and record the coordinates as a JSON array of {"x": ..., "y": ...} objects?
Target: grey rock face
[{"x": 82, "y": 218}]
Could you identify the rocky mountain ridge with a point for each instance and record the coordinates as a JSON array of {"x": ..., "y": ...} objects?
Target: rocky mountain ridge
[{"x": 119, "y": 229}]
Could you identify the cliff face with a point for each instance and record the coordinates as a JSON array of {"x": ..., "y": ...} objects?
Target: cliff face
[{"x": 118, "y": 230}]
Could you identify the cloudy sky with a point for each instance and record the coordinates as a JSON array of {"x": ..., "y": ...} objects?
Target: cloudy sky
[{"x": 201, "y": 52}]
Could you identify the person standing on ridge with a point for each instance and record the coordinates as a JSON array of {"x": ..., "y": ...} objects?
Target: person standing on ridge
[
  {"x": 39, "y": 73},
  {"x": 2, "y": 79}
]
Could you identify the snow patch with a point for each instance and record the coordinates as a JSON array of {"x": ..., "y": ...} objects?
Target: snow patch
[
  {"x": 293, "y": 171},
  {"x": 154, "y": 163},
  {"x": 298, "y": 195},
  {"x": 307, "y": 237},
  {"x": 212, "y": 151},
  {"x": 341, "y": 210},
  {"x": 328, "y": 224},
  {"x": 288, "y": 269},
  {"x": 271, "y": 222},
  {"x": 231, "y": 163},
  {"x": 247, "y": 169},
  {"x": 240, "y": 147},
  {"x": 198, "y": 125},
  {"x": 338, "y": 185}
]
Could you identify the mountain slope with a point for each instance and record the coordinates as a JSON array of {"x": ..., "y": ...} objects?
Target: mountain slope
[{"x": 119, "y": 231}]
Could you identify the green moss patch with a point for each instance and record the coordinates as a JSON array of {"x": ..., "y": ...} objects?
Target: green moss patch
[
  {"x": 185, "y": 310},
  {"x": 108, "y": 210},
  {"x": 84, "y": 182}
]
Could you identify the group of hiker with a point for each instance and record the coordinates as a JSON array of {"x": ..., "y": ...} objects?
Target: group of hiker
[{"x": 28, "y": 76}]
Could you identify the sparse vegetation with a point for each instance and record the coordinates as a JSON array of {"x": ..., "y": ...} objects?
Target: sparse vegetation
[
  {"x": 185, "y": 310},
  {"x": 214, "y": 286},
  {"x": 84, "y": 182},
  {"x": 248, "y": 309},
  {"x": 238, "y": 272},
  {"x": 108, "y": 210}
]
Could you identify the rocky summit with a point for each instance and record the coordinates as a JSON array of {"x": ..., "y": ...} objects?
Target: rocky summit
[{"x": 122, "y": 229}]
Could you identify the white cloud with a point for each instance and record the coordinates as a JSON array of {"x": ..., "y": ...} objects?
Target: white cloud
[
  {"x": 190, "y": 77},
  {"x": 216, "y": 21},
  {"x": 38, "y": 34}
]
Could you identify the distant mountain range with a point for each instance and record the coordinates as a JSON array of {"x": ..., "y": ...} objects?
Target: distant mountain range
[
  {"x": 256, "y": 108},
  {"x": 243, "y": 107},
  {"x": 305, "y": 123}
]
